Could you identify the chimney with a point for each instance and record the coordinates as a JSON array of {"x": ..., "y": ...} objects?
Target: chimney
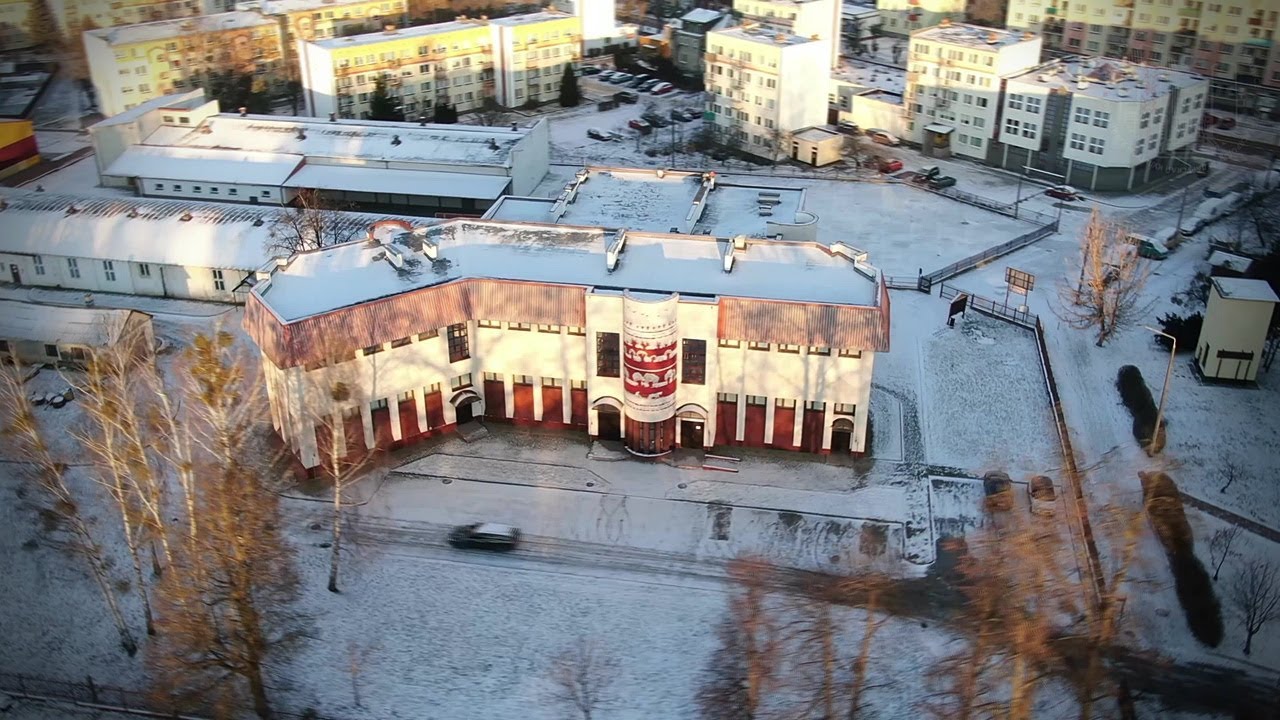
[
  {"x": 302, "y": 134},
  {"x": 514, "y": 127},
  {"x": 186, "y": 217},
  {"x": 395, "y": 139},
  {"x": 493, "y": 144},
  {"x": 945, "y": 22},
  {"x": 333, "y": 117},
  {"x": 422, "y": 121},
  {"x": 1028, "y": 36},
  {"x": 389, "y": 29},
  {"x": 993, "y": 38},
  {"x": 244, "y": 111}
]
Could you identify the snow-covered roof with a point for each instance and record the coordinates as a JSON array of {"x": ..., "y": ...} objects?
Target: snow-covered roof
[
  {"x": 180, "y": 27},
  {"x": 531, "y": 18},
  {"x": 1245, "y": 289},
  {"x": 815, "y": 134},
  {"x": 701, "y": 15},
  {"x": 351, "y": 141},
  {"x": 356, "y": 273},
  {"x": 973, "y": 36},
  {"x": 283, "y": 7},
  {"x": 207, "y": 164},
  {"x": 186, "y": 100},
  {"x": 1230, "y": 261},
  {"x": 763, "y": 35},
  {"x": 161, "y": 232},
  {"x": 417, "y": 182},
  {"x": 382, "y": 36},
  {"x": 57, "y": 325},
  {"x": 1106, "y": 78}
]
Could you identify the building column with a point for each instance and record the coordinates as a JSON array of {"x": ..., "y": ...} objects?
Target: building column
[
  {"x": 1093, "y": 184},
  {"x": 366, "y": 417},
  {"x": 308, "y": 451},
  {"x": 797, "y": 427},
  {"x": 393, "y": 406},
  {"x": 1004, "y": 161},
  {"x": 450, "y": 412},
  {"x": 740, "y": 432},
  {"x": 826, "y": 425},
  {"x": 509, "y": 397},
  {"x": 769, "y": 405},
  {"x": 537, "y": 399},
  {"x": 566, "y": 401},
  {"x": 420, "y": 403}
]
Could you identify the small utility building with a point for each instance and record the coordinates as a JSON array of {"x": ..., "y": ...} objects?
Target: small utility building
[
  {"x": 1236, "y": 323},
  {"x": 37, "y": 334}
]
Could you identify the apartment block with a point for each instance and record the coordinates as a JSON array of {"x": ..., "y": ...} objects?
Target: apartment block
[
  {"x": 954, "y": 78},
  {"x": 1100, "y": 124},
  {"x": 424, "y": 66},
  {"x": 689, "y": 38},
  {"x": 763, "y": 85},
  {"x": 530, "y": 53},
  {"x": 130, "y": 65},
  {"x": 903, "y": 17},
  {"x": 601, "y": 32},
  {"x": 819, "y": 19},
  {"x": 1230, "y": 40}
]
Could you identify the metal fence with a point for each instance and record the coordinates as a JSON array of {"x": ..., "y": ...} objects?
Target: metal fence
[
  {"x": 91, "y": 694},
  {"x": 986, "y": 306},
  {"x": 990, "y": 253}
]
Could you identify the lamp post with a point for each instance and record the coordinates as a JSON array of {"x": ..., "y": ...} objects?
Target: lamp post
[
  {"x": 1027, "y": 169},
  {"x": 1164, "y": 392}
]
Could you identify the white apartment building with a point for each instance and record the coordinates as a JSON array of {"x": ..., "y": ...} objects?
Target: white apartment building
[
  {"x": 763, "y": 84},
  {"x": 601, "y": 32},
  {"x": 955, "y": 73},
  {"x": 660, "y": 340},
  {"x": 530, "y": 53},
  {"x": 1101, "y": 124},
  {"x": 805, "y": 18}
]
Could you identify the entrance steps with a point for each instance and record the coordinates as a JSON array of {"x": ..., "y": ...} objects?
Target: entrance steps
[
  {"x": 472, "y": 431},
  {"x": 721, "y": 463}
]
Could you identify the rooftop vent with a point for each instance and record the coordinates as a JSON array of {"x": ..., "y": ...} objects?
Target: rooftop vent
[
  {"x": 258, "y": 221},
  {"x": 395, "y": 139},
  {"x": 1164, "y": 77},
  {"x": 333, "y": 117},
  {"x": 72, "y": 209},
  {"x": 945, "y": 22},
  {"x": 1082, "y": 82},
  {"x": 1123, "y": 92},
  {"x": 244, "y": 111},
  {"x": 1044, "y": 77},
  {"x": 1028, "y": 36},
  {"x": 493, "y": 144},
  {"x": 302, "y": 134},
  {"x": 514, "y": 127},
  {"x": 389, "y": 29},
  {"x": 186, "y": 217},
  {"x": 422, "y": 121},
  {"x": 780, "y": 38},
  {"x": 133, "y": 212},
  {"x": 993, "y": 38}
]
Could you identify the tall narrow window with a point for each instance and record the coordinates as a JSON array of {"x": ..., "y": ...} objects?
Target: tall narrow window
[
  {"x": 38, "y": 262},
  {"x": 73, "y": 268},
  {"x": 219, "y": 283},
  {"x": 459, "y": 347},
  {"x": 144, "y": 270},
  {"x": 109, "y": 270},
  {"x": 607, "y": 354},
  {"x": 694, "y": 362}
]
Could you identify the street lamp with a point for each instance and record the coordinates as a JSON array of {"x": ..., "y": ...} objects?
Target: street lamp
[{"x": 1164, "y": 393}]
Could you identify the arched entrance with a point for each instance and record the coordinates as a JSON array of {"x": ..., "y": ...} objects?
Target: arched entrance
[
  {"x": 608, "y": 418},
  {"x": 467, "y": 406},
  {"x": 692, "y": 425},
  {"x": 842, "y": 435}
]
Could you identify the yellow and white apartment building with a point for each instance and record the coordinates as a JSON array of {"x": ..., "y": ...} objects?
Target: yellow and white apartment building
[
  {"x": 902, "y": 17},
  {"x": 130, "y": 65},
  {"x": 805, "y": 18},
  {"x": 513, "y": 60},
  {"x": 1229, "y": 39}
]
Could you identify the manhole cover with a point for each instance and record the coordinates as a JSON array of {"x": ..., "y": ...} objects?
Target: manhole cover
[
  {"x": 446, "y": 481},
  {"x": 682, "y": 486},
  {"x": 591, "y": 484}
]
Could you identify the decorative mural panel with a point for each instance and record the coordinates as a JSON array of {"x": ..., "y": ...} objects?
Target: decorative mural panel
[{"x": 650, "y": 350}]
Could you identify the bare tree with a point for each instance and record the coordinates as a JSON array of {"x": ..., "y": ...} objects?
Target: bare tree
[
  {"x": 581, "y": 676},
  {"x": 223, "y": 608},
  {"x": 1107, "y": 295},
  {"x": 745, "y": 665},
  {"x": 50, "y": 475},
  {"x": 311, "y": 223},
  {"x": 343, "y": 461},
  {"x": 1220, "y": 547},
  {"x": 1231, "y": 471},
  {"x": 1255, "y": 594}
]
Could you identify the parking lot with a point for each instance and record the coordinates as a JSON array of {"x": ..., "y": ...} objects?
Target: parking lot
[{"x": 625, "y": 145}]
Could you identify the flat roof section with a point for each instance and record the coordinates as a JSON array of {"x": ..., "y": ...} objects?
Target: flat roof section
[
  {"x": 204, "y": 164},
  {"x": 352, "y": 140},
  {"x": 1245, "y": 289},
  {"x": 1106, "y": 78},
  {"x": 382, "y": 36},
  {"x": 973, "y": 36},
  {"x": 90, "y": 327},
  {"x": 348, "y": 275},
  {"x": 180, "y": 27},
  {"x": 399, "y": 182}
]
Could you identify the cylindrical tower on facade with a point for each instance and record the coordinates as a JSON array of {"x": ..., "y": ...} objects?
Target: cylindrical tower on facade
[{"x": 650, "y": 349}]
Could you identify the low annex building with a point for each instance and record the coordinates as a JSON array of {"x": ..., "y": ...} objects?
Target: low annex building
[
  {"x": 661, "y": 340},
  {"x": 36, "y": 334},
  {"x": 182, "y": 146}
]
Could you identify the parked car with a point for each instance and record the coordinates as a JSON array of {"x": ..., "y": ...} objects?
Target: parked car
[
  {"x": 591, "y": 70},
  {"x": 484, "y": 536},
  {"x": 639, "y": 124},
  {"x": 691, "y": 114},
  {"x": 619, "y": 78},
  {"x": 638, "y": 80},
  {"x": 1064, "y": 192},
  {"x": 925, "y": 174},
  {"x": 598, "y": 134},
  {"x": 998, "y": 488},
  {"x": 662, "y": 88},
  {"x": 941, "y": 181},
  {"x": 882, "y": 137},
  {"x": 889, "y": 165},
  {"x": 626, "y": 96},
  {"x": 656, "y": 120},
  {"x": 605, "y": 75},
  {"x": 1042, "y": 494},
  {"x": 1148, "y": 247},
  {"x": 847, "y": 128},
  {"x": 647, "y": 85}
]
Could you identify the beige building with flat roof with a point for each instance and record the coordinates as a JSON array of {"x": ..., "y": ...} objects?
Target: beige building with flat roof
[{"x": 1234, "y": 335}]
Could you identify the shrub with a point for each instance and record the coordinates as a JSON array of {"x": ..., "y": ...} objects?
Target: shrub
[
  {"x": 1195, "y": 592},
  {"x": 1137, "y": 398},
  {"x": 1185, "y": 329}
]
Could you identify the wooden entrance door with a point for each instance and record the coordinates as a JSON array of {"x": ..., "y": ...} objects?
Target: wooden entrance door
[{"x": 691, "y": 433}]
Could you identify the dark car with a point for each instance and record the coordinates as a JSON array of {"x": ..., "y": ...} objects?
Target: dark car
[
  {"x": 590, "y": 70},
  {"x": 678, "y": 114},
  {"x": 484, "y": 536},
  {"x": 1063, "y": 192},
  {"x": 692, "y": 114},
  {"x": 926, "y": 174},
  {"x": 847, "y": 128},
  {"x": 1226, "y": 123},
  {"x": 598, "y": 134},
  {"x": 941, "y": 181},
  {"x": 626, "y": 96},
  {"x": 637, "y": 81},
  {"x": 656, "y": 120},
  {"x": 647, "y": 84}
]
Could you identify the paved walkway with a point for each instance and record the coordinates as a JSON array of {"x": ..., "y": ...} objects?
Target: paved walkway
[{"x": 1256, "y": 528}]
